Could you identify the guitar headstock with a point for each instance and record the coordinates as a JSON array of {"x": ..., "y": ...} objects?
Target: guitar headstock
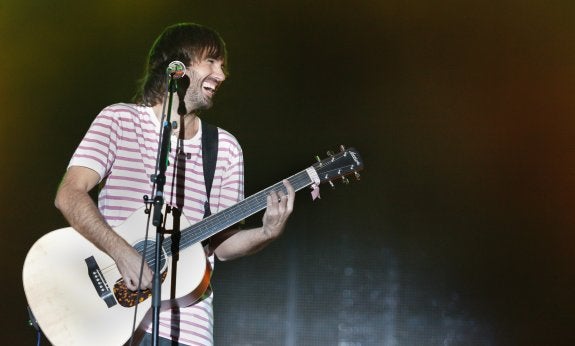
[{"x": 339, "y": 165}]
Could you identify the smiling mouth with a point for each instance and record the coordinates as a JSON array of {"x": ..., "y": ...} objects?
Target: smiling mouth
[
  {"x": 210, "y": 87},
  {"x": 210, "y": 90}
]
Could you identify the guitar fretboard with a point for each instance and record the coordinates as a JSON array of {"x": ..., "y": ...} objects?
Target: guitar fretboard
[{"x": 217, "y": 222}]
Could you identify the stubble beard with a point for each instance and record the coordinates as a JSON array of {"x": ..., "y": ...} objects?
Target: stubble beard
[{"x": 194, "y": 99}]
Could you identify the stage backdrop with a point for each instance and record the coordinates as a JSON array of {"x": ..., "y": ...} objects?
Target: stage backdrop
[{"x": 460, "y": 231}]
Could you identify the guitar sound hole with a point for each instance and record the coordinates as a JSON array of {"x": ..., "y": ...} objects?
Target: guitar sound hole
[
  {"x": 125, "y": 296},
  {"x": 150, "y": 253}
]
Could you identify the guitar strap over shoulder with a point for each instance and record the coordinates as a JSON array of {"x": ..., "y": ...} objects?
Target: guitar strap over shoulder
[{"x": 209, "y": 158}]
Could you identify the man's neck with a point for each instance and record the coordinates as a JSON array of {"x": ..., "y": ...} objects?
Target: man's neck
[{"x": 188, "y": 125}]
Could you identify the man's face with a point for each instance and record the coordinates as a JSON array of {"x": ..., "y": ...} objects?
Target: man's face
[{"x": 205, "y": 77}]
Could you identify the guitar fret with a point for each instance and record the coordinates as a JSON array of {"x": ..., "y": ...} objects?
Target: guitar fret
[{"x": 228, "y": 217}]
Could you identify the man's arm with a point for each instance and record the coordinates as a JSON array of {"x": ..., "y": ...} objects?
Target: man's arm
[
  {"x": 73, "y": 200},
  {"x": 234, "y": 244}
]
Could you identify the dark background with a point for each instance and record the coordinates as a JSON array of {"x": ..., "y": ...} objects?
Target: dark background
[{"x": 460, "y": 231}]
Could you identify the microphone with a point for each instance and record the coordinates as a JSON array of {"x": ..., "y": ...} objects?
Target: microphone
[{"x": 176, "y": 69}]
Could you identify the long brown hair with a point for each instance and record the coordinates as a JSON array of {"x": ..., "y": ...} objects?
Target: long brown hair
[{"x": 185, "y": 42}]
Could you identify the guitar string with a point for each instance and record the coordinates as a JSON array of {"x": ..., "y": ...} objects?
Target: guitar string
[
  {"x": 248, "y": 206},
  {"x": 251, "y": 204}
]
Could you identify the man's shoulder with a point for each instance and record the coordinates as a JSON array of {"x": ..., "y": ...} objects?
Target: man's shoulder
[
  {"x": 227, "y": 139},
  {"x": 126, "y": 113},
  {"x": 124, "y": 108}
]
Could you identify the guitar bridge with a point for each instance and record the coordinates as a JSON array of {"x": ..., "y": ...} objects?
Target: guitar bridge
[{"x": 99, "y": 282}]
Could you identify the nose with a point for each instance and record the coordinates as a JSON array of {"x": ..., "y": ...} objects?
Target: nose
[{"x": 218, "y": 72}]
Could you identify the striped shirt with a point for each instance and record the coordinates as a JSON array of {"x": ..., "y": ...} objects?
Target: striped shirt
[{"x": 121, "y": 146}]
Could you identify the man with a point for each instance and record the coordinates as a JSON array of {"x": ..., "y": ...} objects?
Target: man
[{"x": 119, "y": 153}]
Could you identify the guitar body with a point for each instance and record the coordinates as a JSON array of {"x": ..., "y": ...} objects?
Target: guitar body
[{"x": 64, "y": 298}]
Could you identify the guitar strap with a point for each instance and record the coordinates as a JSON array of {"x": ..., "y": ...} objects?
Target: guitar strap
[{"x": 209, "y": 158}]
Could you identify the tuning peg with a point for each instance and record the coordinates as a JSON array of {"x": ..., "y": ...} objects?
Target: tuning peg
[
  {"x": 357, "y": 176},
  {"x": 345, "y": 180},
  {"x": 331, "y": 184},
  {"x": 318, "y": 160},
  {"x": 329, "y": 153},
  {"x": 342, "y": 148}
]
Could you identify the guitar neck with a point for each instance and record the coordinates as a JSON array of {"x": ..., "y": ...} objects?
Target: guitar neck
[
  {"x": 346, "y": 162},
  {"x": 217, "y": 222}
]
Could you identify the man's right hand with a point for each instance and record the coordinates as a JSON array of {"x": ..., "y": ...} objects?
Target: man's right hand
[{"x": 129, "y": 264}]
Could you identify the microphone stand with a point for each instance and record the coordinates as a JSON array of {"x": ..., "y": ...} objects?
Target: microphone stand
[{"x": 157, "y": 219}]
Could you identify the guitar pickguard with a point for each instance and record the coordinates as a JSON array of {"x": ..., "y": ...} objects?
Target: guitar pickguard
[{"x": 127, "y": 298}]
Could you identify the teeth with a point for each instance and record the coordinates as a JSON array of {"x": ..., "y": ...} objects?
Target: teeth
[{"x": 209, "y": 86}]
